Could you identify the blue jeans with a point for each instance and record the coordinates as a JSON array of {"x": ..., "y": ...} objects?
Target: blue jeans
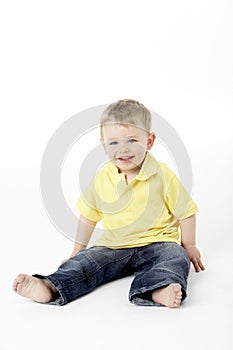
[{"x": 154, "y": 266}]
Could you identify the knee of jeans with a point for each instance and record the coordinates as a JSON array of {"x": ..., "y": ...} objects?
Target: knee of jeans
[
  {"x": 178, "y": 259},
  {"x": 184, "y": 263},
  {"x": 186, "y": 257},
  {"x": 181, "y": 254}
]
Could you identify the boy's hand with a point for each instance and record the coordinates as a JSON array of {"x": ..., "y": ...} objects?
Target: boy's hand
[
  {"x": 195, "y": 257},
  {"x": 76, "y": 249},
  {"x": 63, "y": 262}
]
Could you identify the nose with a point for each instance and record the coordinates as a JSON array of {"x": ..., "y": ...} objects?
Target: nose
[{"x": 123, "y": 148}]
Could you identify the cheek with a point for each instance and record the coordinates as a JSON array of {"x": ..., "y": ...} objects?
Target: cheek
[
  {"x": 110, "y": 151},
  {"x": 140, "y": 149}
]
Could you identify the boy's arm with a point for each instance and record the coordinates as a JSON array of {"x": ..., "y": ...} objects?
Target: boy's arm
[
  {"x": 84, "y": 231},
  {"x": 188, "y": 241}
]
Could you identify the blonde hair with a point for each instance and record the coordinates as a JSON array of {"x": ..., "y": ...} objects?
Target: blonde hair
[{"x": 127, "y": 112}]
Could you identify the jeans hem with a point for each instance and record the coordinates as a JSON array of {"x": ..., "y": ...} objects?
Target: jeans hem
[
  {"x": 61, "y": 299},
  {"x": 137, "y": 299}
]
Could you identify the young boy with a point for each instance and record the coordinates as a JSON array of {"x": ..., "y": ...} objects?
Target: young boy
[{"x": 145, "y": 210}]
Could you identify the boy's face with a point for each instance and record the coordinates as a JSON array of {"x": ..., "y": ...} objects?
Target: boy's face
[{"x": 126, "y": 145}]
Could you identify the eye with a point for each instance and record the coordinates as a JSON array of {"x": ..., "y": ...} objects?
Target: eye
[
  {"x": 113, "y": 143},
  {"x": 132, "y": 140}
]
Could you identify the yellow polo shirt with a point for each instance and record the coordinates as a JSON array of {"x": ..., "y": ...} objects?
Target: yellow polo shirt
[{"x": 146, "y": 210}]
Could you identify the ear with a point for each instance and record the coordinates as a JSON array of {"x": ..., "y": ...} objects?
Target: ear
[{"x": 150, "y": 140}]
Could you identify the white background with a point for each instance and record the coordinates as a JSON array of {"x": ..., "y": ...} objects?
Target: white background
[{"x": 61, "y": 57}]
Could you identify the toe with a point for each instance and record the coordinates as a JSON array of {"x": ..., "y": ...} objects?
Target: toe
[
  {"x": 177, "y": 287},
  {"x": 17, "y": 280},
  {"x": 177, "y": 303},
  {"x": 20, "y": 278}
]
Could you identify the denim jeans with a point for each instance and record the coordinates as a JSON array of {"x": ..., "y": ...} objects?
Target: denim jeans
[{"x": 154, "y": 266}]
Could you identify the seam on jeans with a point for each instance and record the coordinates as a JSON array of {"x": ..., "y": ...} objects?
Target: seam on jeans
[
  {"x": 179, "y": 256},
  {"x": 169, "y": 271},
  {"x": 172, "y": 257},
  {"x": 98, "y": 267}
]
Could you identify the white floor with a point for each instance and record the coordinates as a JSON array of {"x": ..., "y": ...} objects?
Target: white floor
[{"x": 105, "y": 319}]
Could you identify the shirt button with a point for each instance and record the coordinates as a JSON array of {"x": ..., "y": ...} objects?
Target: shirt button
[{"x": 118, "y": 179}]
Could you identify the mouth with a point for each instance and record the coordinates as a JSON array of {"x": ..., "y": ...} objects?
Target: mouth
[{"x": 125, "y": 159}]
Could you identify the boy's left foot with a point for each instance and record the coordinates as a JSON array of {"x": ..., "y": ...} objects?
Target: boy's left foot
[{"x": 169, "y": 296}]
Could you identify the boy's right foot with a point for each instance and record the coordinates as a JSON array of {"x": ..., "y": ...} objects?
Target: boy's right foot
[{"x": 40, "y": 290}]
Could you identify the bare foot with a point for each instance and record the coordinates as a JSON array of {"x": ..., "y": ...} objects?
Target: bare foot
[
  {"x": 169, "y": 296},
  {"x": 40, "y": 290}
]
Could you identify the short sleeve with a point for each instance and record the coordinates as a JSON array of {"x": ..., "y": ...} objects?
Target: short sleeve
[
  {"x": 86, "y": 203},
  {"x": 178, "y": 200}
]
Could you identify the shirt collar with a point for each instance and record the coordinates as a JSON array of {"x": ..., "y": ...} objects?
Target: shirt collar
[{"x": 149, "y": 168}]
